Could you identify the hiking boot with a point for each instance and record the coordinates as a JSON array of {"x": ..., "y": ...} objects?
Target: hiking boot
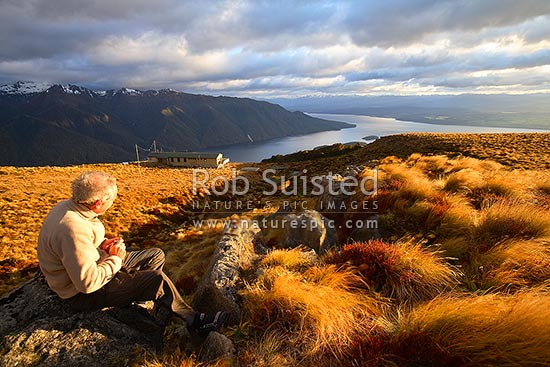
[{"x": 205, "y": 323}]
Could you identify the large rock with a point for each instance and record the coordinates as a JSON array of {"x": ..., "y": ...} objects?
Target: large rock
[
  {"x": 307, "y": 228},
  {"x": 217, "y": 289},
  {"x": 332, "y": 200},
  {"x": 36, "y": 328}
]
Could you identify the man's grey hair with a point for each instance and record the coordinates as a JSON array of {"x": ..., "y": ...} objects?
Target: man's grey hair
[{"x": 90, "y": 187}]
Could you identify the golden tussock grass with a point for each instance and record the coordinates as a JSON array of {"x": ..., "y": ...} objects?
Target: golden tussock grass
[
  {"x": 414, "y": 184},
  {"x": 488, "y": 330},
  {"x": 505, "y": 220},
  {"x": 514, "y": 264},
  {"x": 366, "y": 178},
  {"x": 459, "y": 218},
  {"x": 270, "y": 350},
  {"x": 178, "y": 359},
  {"x": 484, "y": 165},
  {"x": 429, "y": 273},
  {"x": 456, "y": 247},
  {"x": 189, "y": 258},
  {"x": 321, "y": 308},
  {"x": 477, "y": 185},
  {"x": 428, "y": 215},
  {"x": 456, "y": 226},
  {"x": 293, "y": 259},
  {"x": 433, "y": 165},
  {"x": 466, "y": 180},
  {"x": 515, "y": 185}
]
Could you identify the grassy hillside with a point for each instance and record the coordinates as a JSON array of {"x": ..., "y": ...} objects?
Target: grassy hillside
[
  {"x": 458, "y": 275},
  {"x": 516, "y": 150}
]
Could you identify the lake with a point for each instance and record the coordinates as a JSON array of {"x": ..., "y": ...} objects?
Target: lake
[{"x": 366, "y": 125}]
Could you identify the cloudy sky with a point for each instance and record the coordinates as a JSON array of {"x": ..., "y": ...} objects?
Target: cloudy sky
[{"x": 275, "y": 48}]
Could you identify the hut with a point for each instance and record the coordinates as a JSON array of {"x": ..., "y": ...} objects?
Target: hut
[{"x": 188, "y": 159}]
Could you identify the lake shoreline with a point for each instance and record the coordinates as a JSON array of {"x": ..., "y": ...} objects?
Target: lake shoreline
[
  {"x": 433, "y": 122},
  {"x": 365, "y": 126}
]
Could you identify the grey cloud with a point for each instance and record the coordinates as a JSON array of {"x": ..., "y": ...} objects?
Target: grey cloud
[
  {"x": 424, "y": 68},
  {"x": 27, "y": 35},
  {"x": 399, "y": 22},
  {"x": 264, "y": 25},
  {"x": 492, "y": 80},
  {"x": 537, "y": 30},
  {"x": 99, "y": 10}
]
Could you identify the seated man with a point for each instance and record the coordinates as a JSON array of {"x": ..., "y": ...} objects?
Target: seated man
[{"x": 84, "y": 268}]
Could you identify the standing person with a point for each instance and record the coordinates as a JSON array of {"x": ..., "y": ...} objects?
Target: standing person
[{"x": 90, "y": 272}]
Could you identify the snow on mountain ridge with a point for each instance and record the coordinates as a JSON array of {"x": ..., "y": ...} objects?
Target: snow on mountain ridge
[
  {"x": 129, "y": 91},
  {"x": 29, "y": 87},
  {"x": 25, "y": 87}
]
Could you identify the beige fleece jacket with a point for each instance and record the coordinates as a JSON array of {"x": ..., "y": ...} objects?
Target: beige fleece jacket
[{"x": 68, "y": 252}]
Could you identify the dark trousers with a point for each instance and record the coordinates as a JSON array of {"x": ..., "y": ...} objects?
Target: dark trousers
[{"x": 140, "y": 279}]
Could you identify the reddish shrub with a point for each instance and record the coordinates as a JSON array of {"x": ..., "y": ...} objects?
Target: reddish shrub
[
  {"x": 404, "y": 271},
  {"x": 375, "y": 260}
]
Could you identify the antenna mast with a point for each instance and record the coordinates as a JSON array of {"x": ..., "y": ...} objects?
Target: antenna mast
[{"x": 137, "y": 154}]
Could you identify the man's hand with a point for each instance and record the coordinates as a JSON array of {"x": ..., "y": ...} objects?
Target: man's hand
[
  {"x": 107, "y": 243},
  {"x": 114, "y": 246},
  {"x": 118, "y": 249}
]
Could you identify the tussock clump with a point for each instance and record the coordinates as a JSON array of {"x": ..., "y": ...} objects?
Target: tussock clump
[
  {"x": 271, "y": 350},
  {"x": 456, "y": 227},
  {"x": 390, "y": 160},
  {"x": 489, "y": 330},
  {"x": 366, "y": 177},
  {"x": 293, "y": 259},
  {"x": 480, "y": 186},
  {"x": 476, "y": 165},
  {"x": 427, "y": 214},
  {"x": 542, "y": 195},
  {"x": 414, "y": 184},
  {"x": 433, "y": 165},
  {"x": 459, "y": 218},
  {"x": 513, "y": 185},
  {"x": 466, "y": 180},
  {"x": 405, "y": 271},
  {"x": 503, "y": 220},
  {"x": 413, "y": 158},
  {"x": 321, "y": 308},
  {"x": 514, "y": 264},
  {"x": 178, "y": 359},
  {"x": 456, "y": 247}
]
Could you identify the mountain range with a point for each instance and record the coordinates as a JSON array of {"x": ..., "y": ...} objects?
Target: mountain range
[{"x": 43, "y": 124}]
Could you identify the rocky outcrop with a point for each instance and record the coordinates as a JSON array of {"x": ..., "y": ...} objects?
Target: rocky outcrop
[
  {"x": 217, "y": 289},
  {"x": 307, "y": 228},
  {"x": 36, "y": 328},
  {"x": 332, "y": 198}
]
